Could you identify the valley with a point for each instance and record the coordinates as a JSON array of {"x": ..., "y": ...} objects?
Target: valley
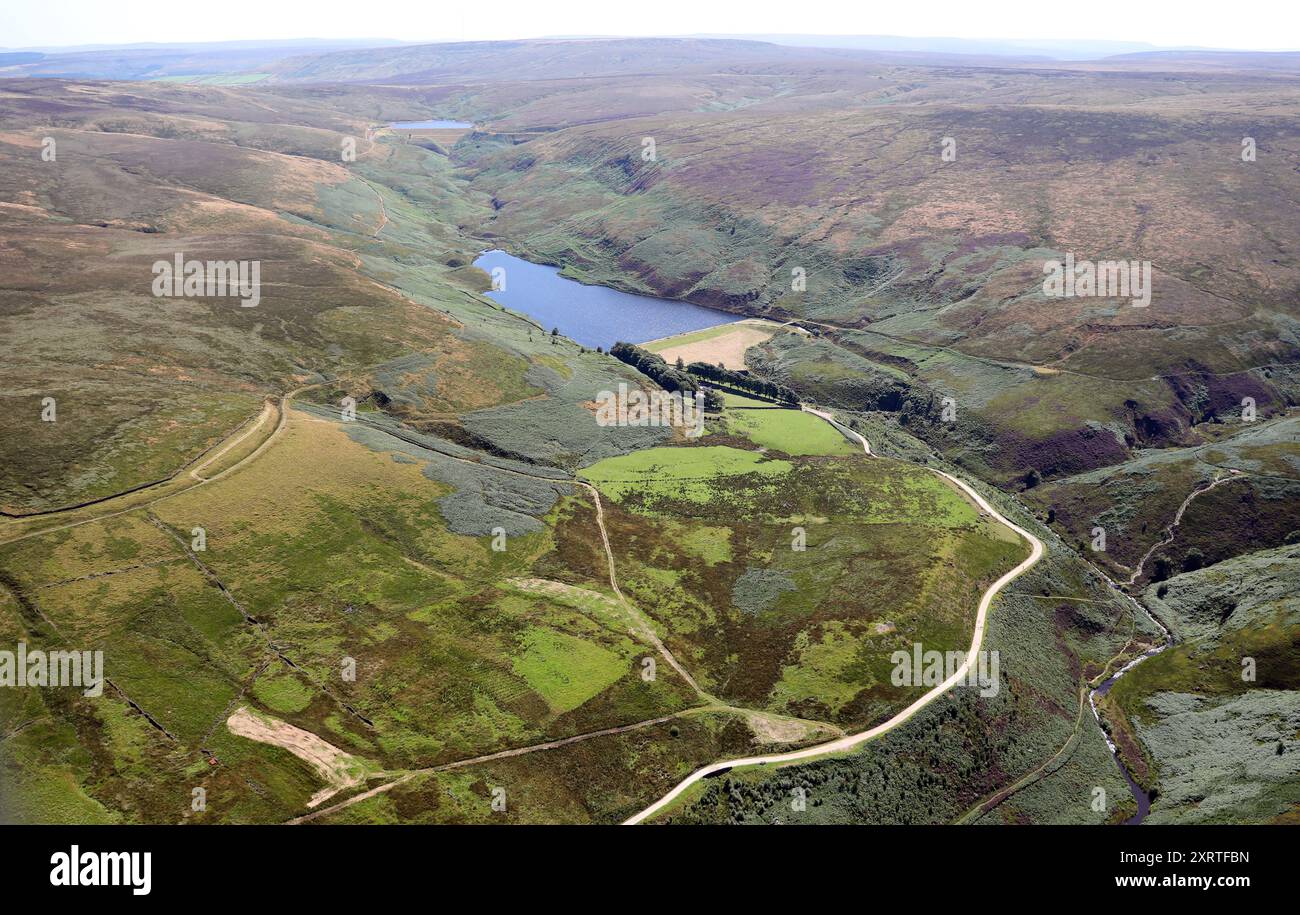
[{"x": 365, "y": 552}]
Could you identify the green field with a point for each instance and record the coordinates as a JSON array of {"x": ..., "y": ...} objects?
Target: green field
[
  {"x": 791, "y": 431},
  {"x": 705, "y": 537},
  {"x": 679, "y": 473},
  {"x": 564, "y": 670}
]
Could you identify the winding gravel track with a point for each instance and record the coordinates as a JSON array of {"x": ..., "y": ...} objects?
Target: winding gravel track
[{"x": 854, "y": 740}]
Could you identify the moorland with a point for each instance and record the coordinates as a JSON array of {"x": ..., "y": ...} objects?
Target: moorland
[{"x": 470, "y": 602}]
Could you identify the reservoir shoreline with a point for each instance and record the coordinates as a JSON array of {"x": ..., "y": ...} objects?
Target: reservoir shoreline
[{"x": 590, "y": 314}]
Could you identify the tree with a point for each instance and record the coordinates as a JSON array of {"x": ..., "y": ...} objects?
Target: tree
[
  {"x": 1162, "y": 570},
  {"x": 654, "y": 366}
]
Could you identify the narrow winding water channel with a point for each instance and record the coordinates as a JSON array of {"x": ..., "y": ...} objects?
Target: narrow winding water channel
[{"x": 1140, "y": 794}]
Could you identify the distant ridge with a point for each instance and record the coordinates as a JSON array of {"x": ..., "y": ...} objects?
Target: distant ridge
[
  {"x": 164, "y": 61},
  {"x": 307, "y": 60}
]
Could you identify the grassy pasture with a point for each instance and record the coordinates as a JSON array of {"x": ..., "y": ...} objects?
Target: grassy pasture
[
  {"x": 335, "y": 549},
  {"x": 565, "y": 670},
  {"x": 891, "y": 555},
  {"x": 679, "y": 473},
  {"x": 790, "y": 431}
]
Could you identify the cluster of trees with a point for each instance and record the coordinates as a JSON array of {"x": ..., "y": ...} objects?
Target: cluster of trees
[
  {"x": 684, "y": 377},
  {"x": 648, "y": 363},
  {"x": 744, "y": 381}
]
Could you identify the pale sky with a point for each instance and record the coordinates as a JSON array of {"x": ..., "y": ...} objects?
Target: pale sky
[{"x": 1253, "y": 24}]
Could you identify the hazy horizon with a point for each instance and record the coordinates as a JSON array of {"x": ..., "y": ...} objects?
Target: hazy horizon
[
  {"x": 84, "y": 24},
  {"x": 1053, "y": 48}
]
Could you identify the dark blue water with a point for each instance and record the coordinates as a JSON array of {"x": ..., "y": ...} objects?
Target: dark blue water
[
  {"x": 428, "y": 125},
  {"x": 1139, "y": 793},
  {"x": 592, "y": 315}
]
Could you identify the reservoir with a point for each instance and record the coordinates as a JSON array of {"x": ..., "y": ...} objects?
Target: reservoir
[{"x": 591, "y": 315}]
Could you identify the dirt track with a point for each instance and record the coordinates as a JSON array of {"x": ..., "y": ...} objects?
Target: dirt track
[{"x": 854, "y": 740}]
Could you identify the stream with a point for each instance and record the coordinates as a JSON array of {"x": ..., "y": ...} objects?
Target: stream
[{"x": 1140, "y": 794}]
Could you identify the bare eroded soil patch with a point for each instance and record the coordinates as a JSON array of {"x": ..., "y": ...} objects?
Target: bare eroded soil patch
[{"x": 339, "y": 770}]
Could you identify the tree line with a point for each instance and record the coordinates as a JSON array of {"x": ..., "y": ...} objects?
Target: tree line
[
  {"x": 653, "y": 365},
  {"x": 684, "y": 377}
]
